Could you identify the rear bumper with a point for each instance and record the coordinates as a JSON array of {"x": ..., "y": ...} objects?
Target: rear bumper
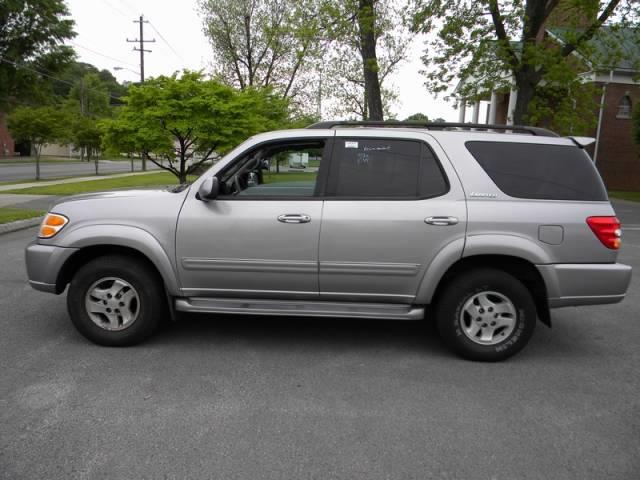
[
  {"x": 44, "y": 263},
  {"x": 585, "y": 284}
]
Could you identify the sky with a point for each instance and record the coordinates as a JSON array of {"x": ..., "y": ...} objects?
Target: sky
[{"x": 103, "y": 26}]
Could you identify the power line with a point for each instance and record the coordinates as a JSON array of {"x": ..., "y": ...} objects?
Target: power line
[
  {"x": 141, "y": 41},
  {"x": 128, "y": 6},
  {"x": 103, "y": 55},
  {"x": 17, "y": 65},
  {"x": 114, "y": 8},
  {"x": 167, "y": 43}
]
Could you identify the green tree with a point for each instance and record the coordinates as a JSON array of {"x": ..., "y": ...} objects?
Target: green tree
[
  {"x": 417, "y": 117},
  {"x": 262, "y": 43},
  {"x": 86, "y": 135},
  {"x": 32, "y": 36},
  {"x": 187, "y": 120},
  {"x": 367, "y": 41},
  {"x": 39, "y": 126},
  {"x": 75, "y": 71},
  {"x": 89, "y": 97},
  {"x": 495, "y": 44},
  {"x": 87, "y": 102}
]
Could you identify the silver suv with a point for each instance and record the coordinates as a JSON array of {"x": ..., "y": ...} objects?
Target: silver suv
[{"x": 482, "y": 227}]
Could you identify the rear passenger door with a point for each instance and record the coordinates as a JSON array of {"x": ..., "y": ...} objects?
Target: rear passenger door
[{"x": 391, "y": 205}]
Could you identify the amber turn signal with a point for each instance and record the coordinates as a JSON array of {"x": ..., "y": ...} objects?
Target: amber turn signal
[{"x": 52, "y": 224}]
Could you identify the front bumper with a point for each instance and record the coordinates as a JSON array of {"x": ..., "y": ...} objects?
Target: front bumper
[
  {"x": 44, "y": 263},
  {"x": 585, "y": 284}
]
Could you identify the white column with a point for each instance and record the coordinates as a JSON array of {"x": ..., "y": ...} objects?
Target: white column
[
  {"x": 513, "y": 97},
  {"x": 493, "y": 107},
  {"x": 476, "y": 112},
  {"x": 462, "y": 108}
]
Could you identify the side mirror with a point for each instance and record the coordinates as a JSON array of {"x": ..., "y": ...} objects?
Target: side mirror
[{"x": 209, "y": 189}]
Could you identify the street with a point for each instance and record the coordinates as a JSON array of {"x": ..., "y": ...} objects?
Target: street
[
  {"x": 10, "y": 172},
  {"x": 270, "y": 398}
]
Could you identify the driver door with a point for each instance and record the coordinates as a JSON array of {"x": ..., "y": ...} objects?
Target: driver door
[{"x": 259, "y": 238}]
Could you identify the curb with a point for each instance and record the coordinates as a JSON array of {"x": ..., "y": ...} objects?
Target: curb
[{"x": 19, "y": 225}]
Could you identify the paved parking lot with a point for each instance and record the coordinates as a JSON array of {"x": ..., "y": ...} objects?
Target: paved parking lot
[{"x": 252, "y": 398}]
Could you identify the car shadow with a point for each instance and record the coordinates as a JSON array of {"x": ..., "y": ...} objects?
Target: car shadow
[{"x": 307, "y": 332}]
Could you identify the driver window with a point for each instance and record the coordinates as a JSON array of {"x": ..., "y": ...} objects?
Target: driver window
[{"x": 275, "y": 170}]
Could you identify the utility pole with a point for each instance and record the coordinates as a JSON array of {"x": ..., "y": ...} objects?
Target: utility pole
[{"x": 141, "y": 49}]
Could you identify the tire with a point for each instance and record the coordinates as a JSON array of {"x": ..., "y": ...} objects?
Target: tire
[
  {"x": 116, "y": 300},
  {"x": 486, "y": 315}
]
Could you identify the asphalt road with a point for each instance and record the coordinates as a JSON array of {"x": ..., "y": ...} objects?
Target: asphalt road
[
  {"x": 267, "y": 398},
  {"x": 12, "y": 172}
]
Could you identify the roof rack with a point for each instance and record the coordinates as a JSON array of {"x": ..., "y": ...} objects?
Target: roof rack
[{"x": 541, "y": 132}]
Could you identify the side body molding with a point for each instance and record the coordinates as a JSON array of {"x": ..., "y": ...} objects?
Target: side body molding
[
  {"x": 131, "y": 237},
  {"x": 476, "y": 245}
]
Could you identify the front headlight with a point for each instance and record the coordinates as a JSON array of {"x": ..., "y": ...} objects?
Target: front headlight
[{"x": 52, "y": 224}]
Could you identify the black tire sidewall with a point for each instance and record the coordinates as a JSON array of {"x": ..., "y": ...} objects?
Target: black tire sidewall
[
  {"x": 464, "y": 287},
  {"x": 141, "y": 279}
]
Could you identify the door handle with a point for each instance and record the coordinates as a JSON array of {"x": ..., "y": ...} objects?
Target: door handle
[
  {"x": 441, "y": 221},
  {"x": 294, "y": 218}
]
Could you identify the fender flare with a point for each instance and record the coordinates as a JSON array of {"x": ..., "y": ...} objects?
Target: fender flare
[
  {"x": 129, "y": 237},
  {"x": 444, "y": 259},
  {"x": 472, "y": 246}
]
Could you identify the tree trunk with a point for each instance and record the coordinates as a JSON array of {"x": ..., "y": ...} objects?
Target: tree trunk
[
  {"x": 366, "y": 25},
  {"x": 38, "y": 149},
  {"x": 526, "y": 82},
  {"x": 95, "y": 160},
  {"x": 182, "y": 178}
]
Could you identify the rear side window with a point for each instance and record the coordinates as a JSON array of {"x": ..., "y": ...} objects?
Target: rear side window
[
  {"x": 529, "y": 170},
  {"x": 372, "y": 168}
]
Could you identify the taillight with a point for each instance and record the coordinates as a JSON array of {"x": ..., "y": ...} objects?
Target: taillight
[{"x": 607, "y": 229}]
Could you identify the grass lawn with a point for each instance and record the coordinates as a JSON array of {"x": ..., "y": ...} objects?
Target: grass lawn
[
  {"x": 12, "y": 214},
  {"x": 289, "y": 177},
  {"x": 149, "y": 180},
  {"x": 32, "y": 180},
  {"x": 631, "y": 196}
]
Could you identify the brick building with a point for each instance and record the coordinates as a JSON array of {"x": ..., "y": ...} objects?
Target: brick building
[
  {"x": 616, "y": 154},
  {"x": 7, "y": 146}
]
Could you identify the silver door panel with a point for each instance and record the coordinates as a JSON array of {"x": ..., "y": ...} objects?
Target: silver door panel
[{"x": 240, "y": 248}]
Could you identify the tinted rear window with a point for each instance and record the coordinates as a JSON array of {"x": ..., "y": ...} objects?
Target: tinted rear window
[{"x": 529, "y": 170}]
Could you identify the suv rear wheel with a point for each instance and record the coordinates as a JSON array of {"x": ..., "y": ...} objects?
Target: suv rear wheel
[
  {"x": 486, "y": 315},
  {"x": 116, "y": 300}
]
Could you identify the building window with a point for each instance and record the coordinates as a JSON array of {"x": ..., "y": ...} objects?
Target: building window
[{"x": 624, "y": 107}]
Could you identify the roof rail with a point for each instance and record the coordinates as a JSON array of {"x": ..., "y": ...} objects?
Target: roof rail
[{"x": 541, "y": 132}]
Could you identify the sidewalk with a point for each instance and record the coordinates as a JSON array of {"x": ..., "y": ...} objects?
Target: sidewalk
[{"x": 44, "y": 183}]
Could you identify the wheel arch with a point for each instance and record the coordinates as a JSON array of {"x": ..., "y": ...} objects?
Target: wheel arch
[
  {"x": 520, "y": 268},
  {"x": 97, "y": 241}
]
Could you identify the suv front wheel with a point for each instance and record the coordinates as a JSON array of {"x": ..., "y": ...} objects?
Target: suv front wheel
[
  {"x": 486, "y": 315},
  {"x": 116, "y": 300}
]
